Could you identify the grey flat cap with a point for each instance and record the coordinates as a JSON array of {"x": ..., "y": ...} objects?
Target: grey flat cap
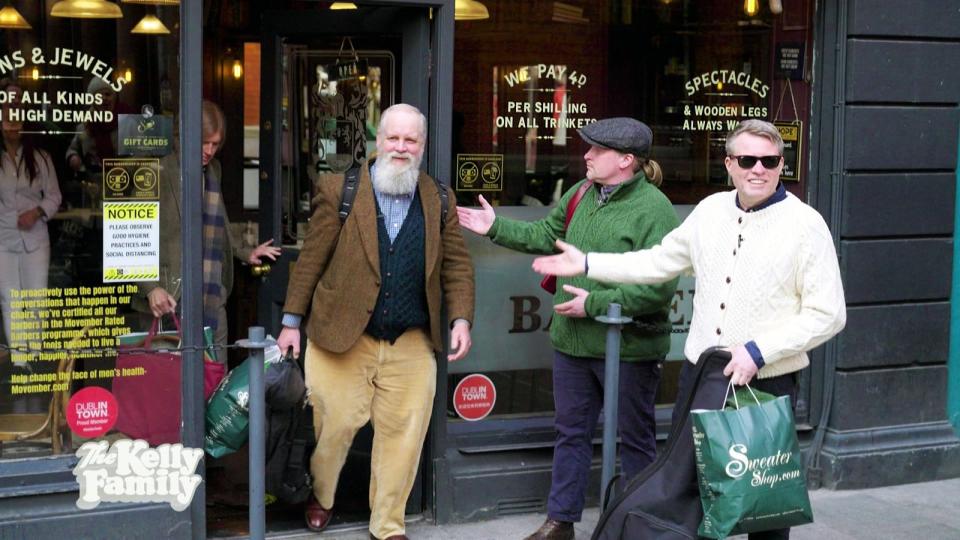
[{"x": 622, "y": 134}]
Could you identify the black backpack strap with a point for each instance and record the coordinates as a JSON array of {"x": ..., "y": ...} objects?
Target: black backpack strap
[
  {"x": 351, "y": 182},
  {"x": 301, "y": 437},
  {"x": 444, "y": 202}
]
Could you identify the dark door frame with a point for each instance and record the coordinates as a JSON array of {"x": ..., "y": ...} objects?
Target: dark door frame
[{"x": 427, "y": 83}]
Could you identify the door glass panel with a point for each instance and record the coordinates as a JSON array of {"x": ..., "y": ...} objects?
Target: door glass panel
[{"x": 334, "y": 98}]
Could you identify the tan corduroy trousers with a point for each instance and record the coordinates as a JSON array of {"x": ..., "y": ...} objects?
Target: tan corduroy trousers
[{"x": 393, "y": 387}]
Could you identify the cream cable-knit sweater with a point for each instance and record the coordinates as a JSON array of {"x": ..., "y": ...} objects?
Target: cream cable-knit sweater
[{"x": 770, "y": 276}]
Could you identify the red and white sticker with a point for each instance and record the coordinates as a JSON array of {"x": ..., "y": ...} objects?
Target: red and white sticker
[
  {"x": 92, "y": 412},
  {"x": 474, "y": 397}
]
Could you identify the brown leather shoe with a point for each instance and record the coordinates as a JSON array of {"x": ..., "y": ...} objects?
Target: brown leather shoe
[
  {"x": 316, "y": 516},
  {"x": 553, "y": 530}
]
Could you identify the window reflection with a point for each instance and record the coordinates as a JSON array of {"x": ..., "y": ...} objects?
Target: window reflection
[
  {"x": 533, "y": 72},
  {"x": 88, "y": 113}
]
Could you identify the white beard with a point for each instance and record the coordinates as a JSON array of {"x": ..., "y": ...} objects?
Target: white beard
[{"x": 394, "y": 179}]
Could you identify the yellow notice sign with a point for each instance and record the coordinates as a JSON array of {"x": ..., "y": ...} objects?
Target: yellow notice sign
[{"x": 131, "y": 241}]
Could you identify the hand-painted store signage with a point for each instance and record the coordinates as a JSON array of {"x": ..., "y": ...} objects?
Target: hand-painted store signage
[
  {"x": 56, "y": 106},
  {"x": 723, "y": 113},
  {"x": 62, "y": 56},
  {"x": 719, "y": 78},
  {"x": 541, "y": 96}
]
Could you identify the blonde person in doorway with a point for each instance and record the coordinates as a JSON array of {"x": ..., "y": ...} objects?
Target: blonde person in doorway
[
  {"x": 29, "y": 196},
  {"x": 219, "y": 244}
]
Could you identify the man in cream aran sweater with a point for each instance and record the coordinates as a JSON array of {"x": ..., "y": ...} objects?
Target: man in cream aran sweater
[{"x": 767, "y": 279}]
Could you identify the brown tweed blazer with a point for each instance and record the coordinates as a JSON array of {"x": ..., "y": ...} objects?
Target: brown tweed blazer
[{"x": 336, "y": 279}]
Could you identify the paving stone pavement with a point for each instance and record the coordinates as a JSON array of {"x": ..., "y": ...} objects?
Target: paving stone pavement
[{"x": 925, "y": 511}]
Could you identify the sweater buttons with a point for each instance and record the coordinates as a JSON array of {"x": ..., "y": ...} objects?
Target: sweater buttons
[
  {"x": 369, "y": 311},
  {"x": 723, "y": 306},
  {"x": 718, "y": 331},
  {"x": 728, "y": 279},
  {"x": 740, "y": 219},
  {"x": 734, "y": 253}
]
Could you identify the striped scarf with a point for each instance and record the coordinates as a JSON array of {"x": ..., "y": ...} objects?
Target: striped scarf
[{"x": 214, "y": 234}]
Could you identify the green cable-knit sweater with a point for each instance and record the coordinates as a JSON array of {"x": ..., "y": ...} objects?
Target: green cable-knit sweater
[{"x": 635, "y": 216}]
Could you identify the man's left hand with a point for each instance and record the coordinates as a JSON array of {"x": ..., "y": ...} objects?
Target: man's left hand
[
  {"x": 264, "y": 250},
  {"x": 741, "y": 368},
  {"x": 460, "y": 341},
  {"x": 576, "y": 306}
]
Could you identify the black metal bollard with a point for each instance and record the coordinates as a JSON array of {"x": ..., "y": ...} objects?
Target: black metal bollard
[
  {"x": 256, "y": 341},
  {"x": 611, "y": 391}
]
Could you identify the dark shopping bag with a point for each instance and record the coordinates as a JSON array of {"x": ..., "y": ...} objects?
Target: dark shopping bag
[
  {"x": 147, "y": 388},
  {"x": 290, "y": 435},
  {"x": 749, "y": 468}
]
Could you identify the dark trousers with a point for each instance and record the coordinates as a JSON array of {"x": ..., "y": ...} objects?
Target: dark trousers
[
  {"x": 578, "y": 398},
  {"x": 782, "y": 385}
]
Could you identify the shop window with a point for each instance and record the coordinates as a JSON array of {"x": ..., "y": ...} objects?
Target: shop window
[
  {"x": 89, "y": 114},
  {"x": 532, "y": 73}
]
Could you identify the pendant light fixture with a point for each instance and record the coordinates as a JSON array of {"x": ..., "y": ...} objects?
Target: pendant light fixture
[
  {"x": 153, "y": 2},
  {"x": 86, "y": 9},
  {"x": 470, "y": 10},
  {"x": 150, "y": 24},
  {"x": 11, "y": 19},
  {"x": 751, "y": 7},
  {"x": 343, "y": 5}
]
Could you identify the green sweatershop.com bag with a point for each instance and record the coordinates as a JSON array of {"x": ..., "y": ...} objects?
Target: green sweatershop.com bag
[{"x": 749, "y": 468}]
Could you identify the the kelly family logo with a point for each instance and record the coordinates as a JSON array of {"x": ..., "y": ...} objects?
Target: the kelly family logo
[{"x": 131, "y": 471}]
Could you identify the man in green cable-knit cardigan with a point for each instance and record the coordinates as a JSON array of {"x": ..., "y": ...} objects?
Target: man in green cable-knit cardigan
[{"x": 622, "y": 209}]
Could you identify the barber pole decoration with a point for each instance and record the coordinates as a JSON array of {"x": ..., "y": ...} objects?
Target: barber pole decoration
[{"x": 474, "y": 397}]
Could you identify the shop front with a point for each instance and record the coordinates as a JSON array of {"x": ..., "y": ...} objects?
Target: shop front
[{"x": 109, "y": 103}]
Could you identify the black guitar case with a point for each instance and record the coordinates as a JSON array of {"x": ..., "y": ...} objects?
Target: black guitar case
[{"x": 663, "y": 501}]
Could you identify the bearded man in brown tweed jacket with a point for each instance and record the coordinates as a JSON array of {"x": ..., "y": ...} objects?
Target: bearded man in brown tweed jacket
[{"x": 371, "y": 294}]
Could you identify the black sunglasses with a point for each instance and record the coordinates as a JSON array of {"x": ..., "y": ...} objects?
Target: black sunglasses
[{"x": 747, "y": 162}]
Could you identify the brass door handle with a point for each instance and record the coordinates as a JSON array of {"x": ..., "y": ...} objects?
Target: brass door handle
[{"x": 260, "y": 270}]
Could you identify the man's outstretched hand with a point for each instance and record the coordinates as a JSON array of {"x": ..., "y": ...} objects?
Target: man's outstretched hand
[
  {"x": 571, "y": 262},
  {"x": 478, "y": 221}
]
